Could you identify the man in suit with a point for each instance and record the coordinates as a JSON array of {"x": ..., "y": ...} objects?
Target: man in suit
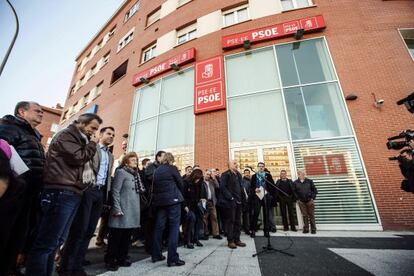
[
  {"x": 90, "y": 209},
  {"x": 231, "y": 202},
  {"x": 262, "y": 193}
]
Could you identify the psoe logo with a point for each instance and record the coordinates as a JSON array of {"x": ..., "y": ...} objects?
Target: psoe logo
[{"x": 208, "y": 71}]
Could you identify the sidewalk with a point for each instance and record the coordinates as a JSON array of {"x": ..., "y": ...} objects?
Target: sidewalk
[
  {"x": 326, "y": 253},
  {"x": 213, "y": 259}
]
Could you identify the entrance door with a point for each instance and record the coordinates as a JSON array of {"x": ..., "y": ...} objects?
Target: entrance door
[{"x": 277, "y": 157}]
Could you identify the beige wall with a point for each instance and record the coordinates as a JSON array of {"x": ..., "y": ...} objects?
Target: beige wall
[
  {"x": 166, "y": 42},
  {"x": 168, "y": 7},
  {"x": 209, "y": 23},
  {"x": 261, "y": 8}
]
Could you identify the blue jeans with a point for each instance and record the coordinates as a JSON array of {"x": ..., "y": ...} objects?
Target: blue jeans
[
  {"x": 82, "y": 230},
  {"x": 172, "y": 214},
  {"x": 194, "y": 227},
  {"x": 58, "y": 208}
]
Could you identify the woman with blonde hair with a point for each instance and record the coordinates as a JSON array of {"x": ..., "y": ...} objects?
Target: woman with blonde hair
[
  {"x": 167, "y": 199},
  {"x": 125, "y": 212}
]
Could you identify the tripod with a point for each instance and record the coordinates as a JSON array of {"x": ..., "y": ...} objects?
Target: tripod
[{"x": 269, "y": 248}]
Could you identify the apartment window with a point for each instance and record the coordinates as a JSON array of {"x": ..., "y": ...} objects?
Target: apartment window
[
  {"x": 72, "y": 90},
  {"x": 82, "y": 81},
  {"x": 153, "y": 16},
  {"x": 236, "y": 15},
  {"x": 149, "y": 52},
  {"x": 182, "y": 2},
  {"x": 99, "y": 88},
  {"x": 186, "y": 33},
  {"x": 87, "y": 98},
  {"x": 65, "y": 115},
  {"x": 126, "y": 39},
  {"x": 408, "y": 37},
  {"x": 119, "y": 72},
  {"x": 132, "y": 11},
  {"x": 295, "y": 4}
]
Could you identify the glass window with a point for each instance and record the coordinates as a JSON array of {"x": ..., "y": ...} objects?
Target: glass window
[
  {"x": 144, "y": 141},
  {"x": 295, "y": 4},
  {"x": 304, "y": 62},
  {"x": 154, "y": 16},
  {"x": 181, "y": 123},
  {"x": 255, "y": 71},
  {"x": 408, "y": 36},
  {"x": 149, "y": 52},
  {"x": 336, "y": 169},
  {"x": 257, "y": 119},
  {"x": 236, "y": 15},
  {"x": 186, "y": 34},
  {"x": 148, "y": 101},
  {"x": 177, "y": 91},
  {"x": 316, "y": 111}
]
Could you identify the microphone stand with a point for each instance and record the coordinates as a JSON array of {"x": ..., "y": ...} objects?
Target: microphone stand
[{"x": 269, "y": 248}]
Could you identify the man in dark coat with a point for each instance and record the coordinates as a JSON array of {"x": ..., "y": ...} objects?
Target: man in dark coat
[
  {"x": 305, "y": 191},
  {"x": 246, "y": 205},
  {"x": 20, "y": 132},
  {"x": 262, "y": 194},
  {"x": 231, "y": 202},
  {"x": 68, "y": 173},
  {"x": 287, "y": 201}
]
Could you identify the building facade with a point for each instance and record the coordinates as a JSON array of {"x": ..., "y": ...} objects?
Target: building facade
[
  {"x": 50, "y": 123},
  {"x": 263, "y": 80}
]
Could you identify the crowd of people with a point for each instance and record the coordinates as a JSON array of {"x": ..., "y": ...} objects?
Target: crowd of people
[{"x": 52, "y": 210}]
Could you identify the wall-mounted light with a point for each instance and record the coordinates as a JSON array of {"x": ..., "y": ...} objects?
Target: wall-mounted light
[
  {"x": 299, "y": 34},
  {"x": 175, "y": 67},
  {"x": 295, "y": 45},
  {"x": 378, "y": 103},
  {"x": 246, "y": 44},
  {"x": 144, "y": 80},
  {"x": 351, "y": 97}
]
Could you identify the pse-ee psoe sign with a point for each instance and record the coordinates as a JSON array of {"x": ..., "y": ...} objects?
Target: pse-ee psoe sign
[
  {"x": 309, "y": 24},
  {"x": 181, "y": 59},
  {"x": 209, "y": 87}
]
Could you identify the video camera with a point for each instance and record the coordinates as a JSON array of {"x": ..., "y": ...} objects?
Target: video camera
[{"x": 406, "y": 135}]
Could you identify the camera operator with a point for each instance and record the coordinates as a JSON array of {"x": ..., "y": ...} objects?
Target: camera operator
[{"x": 406, "y": 163}]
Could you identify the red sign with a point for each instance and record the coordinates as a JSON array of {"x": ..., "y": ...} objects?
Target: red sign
[
  {"x": 315, "y": 165},
  {"x": 331, "y": 164},
  {"x": 209, "y": 89},
  {"x": 309, "y": 24},
  {"x": 336, "y": 164},
  {"x": 181, "y": 59}
]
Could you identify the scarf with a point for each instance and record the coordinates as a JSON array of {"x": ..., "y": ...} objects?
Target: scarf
[
  {"x": 139, "y": 186},
  {"x": 260, "y": 179},
  {"x": 88, "y": 175}
]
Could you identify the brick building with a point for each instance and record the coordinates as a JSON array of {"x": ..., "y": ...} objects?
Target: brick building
[
  {"x": 50, "y": 123},
  {"x": 263, "y": 80}
]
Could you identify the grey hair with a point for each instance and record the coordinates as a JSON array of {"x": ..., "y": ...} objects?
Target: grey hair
[{"x": 25, "y": 105}]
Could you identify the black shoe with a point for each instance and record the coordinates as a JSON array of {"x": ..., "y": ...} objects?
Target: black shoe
[
  {"x": 86, "y": 263},
  {"x": 177, "y": 263},
  {"x": 293, "y": 230},
  {"x": 305, "y": 231},
  {"x": 205, "y": 238},
  {"x": 125, "y": 263},
  {"x": 247, "y": 232},
  {"x": 218, "y": 237},
  {"x": 313, "y": 232},
  {"x": 199, "y": 243},
  {"x": 266, "y": 234},
  {"x": 189, "y": 246},
  {"x": 112, "y": 266},
  {"x": 273, "y": 230},
  {"x": 162, "y": 258},
  {"x": 252, "y": 234}
]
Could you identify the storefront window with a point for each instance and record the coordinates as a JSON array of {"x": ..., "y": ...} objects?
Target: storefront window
[
  {"x": 148, "y": 101},
  {"x": 253, "y": 72},
  {"x": 336, "y": 169},
  {"x": 304, "y": 62},
  {"x": 316, "y": 111},
  {"x": 257, "y": 119},
  {"x": 177, "y": 92},
  {"x": 163, "y": 118}
]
